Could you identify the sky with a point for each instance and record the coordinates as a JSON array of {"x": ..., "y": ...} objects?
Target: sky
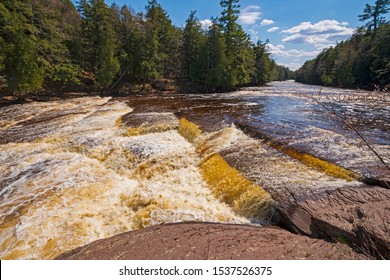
[{"x": 297, "y": 30}]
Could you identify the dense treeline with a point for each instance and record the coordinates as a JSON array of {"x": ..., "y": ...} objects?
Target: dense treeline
[
  {"x": 53, "y": 43},
  {"x": 362, "y": 61}
]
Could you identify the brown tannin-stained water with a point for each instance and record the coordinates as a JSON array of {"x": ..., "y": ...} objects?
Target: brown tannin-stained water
[{"x": 79, "y": 170}]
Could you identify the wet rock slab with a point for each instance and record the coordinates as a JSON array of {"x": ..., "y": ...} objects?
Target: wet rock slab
[
  {"x": 199, "y": 241},
  {"x": 312, "y": 203}
]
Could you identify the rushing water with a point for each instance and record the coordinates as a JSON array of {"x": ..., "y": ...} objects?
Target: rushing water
[
  {"x": 306, "y": 118},
  {"x": 78, "y": 170}
]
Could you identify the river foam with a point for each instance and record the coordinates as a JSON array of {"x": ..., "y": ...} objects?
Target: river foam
[{"x": 82, "y": 178}]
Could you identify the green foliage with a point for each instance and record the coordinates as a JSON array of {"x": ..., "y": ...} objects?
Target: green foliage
[
  {"x": 99, "y": 41},
  {"x": 49, "y": 43},
  {"x": 19, "y": 45},
  {"x": 362, "y": 61},
  {"x": 162, "y": 42},
  {"x": 374, "y": 14},
  {"x": 239, "y": 51},
  {"x": 32, "y": 43},
  {"x": 129, "y": 30},
  {"x": 224, "y": 57},
  {"x": 380, "y": 54},
  {"x": 193, "y": 38},
  {"x": 262, "y": 73},
  {"x": 23, "y": 70},
  {"x": 281, "y": 73},
  {"x": 217, "y": 61}
]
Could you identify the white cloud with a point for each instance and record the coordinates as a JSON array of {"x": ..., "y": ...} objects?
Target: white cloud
[
  {"x": 254, "y": 35},
  {"x": 292, "y": 65},
  {"x": 273, "y": 29},
  {"x": 322, "y": 34},
  {"x": 250, "y": 15},
  {"x": 280, "y": 50},
  {"x": 206, "y": 23},
  {"x": 266, "y": 22}
]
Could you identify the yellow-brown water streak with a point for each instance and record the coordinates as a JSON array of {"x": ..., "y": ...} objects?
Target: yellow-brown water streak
[
  {"x": 228, "y": 184},
  {"x": 84, "y": 177}
]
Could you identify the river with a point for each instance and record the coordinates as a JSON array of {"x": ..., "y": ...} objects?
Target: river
[{"x": 78, "y": 170}]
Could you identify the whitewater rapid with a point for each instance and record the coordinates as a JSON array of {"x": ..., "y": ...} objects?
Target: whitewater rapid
[{"x": 78, "y": 170}]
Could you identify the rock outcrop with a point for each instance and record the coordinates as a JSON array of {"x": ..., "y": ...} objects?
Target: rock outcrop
[
  {"x": 357, "y": 216},
  {"x": 202, "y": 241}
]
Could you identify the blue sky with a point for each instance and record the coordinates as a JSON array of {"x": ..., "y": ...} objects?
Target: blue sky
[{"x": 297, "y": 29}]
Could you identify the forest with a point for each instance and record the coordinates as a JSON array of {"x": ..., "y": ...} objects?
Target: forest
[
  {"x": 363, "y": 61},
  {"x": 57, "y": 44}
]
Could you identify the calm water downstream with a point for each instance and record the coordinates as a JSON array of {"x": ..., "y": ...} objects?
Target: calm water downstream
[{"x": 75, "y": 171}]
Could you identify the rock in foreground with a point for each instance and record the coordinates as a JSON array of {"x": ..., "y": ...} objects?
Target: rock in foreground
[
  {"x": 201, "y": 241},
  {"x": 360, "y": 216}
]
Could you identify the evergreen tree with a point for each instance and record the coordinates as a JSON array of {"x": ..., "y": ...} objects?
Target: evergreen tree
[
  {"x": 229, "y": 24},
  {"x": 238, "y": 45},
  {"x": 192, "y": 42},
  {"x": 19, "y": 46},
  {"x": 131, "y": 39},
  {"x": 161, "y": 46},
  {"x": 217, "y": 60},
  {"x": 100, "y": 43},
  {"x": 57, "y": 25},
  {"x": 262, "y": 72},
  {"x": 380, "y": 65},
  {"x": 48, "y": 43},
  {"x": 374, "y": 13},
  {"x": 362, "y": 61}
]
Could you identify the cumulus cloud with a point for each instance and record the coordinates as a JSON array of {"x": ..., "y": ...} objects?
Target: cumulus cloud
[
  {"x": 206, "y": 23},
  {"x": 273, "y": 29},
  {"x": 266, "y": 22},
  {"x": 280, "y": 50},
  {"x": 322, "y": 34},
  {"x": 250, "y": 15},
  {"x": 292, "y": 65}
]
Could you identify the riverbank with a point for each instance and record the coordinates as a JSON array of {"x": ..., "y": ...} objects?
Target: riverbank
[{"x": 55, "y": 93}]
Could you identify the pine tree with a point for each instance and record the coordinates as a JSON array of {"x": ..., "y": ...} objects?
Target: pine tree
[
  {"x": 129, "y": 28},
  {"x": 229, "y": 24},
  {"x": 162, "y": 44},
  {"x": 100, "y": 42},
  {"x": 56, "y": 22},
  {"x": 380, "y": 53},
  {"x": 374, "y": 13},
  {"x": 262, "y": 72},
  {"x": 217, "y": 61},
  {"x": 19, "y": 46},
  {"x": 191, "y": 44},
  {"x": 238, "y": 45},
  {"x": 362, "y": 61}
]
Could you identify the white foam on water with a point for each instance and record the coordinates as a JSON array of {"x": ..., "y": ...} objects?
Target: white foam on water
[
  {"x": 266, "y": 166},
  {"x": 82, "y": 180}
]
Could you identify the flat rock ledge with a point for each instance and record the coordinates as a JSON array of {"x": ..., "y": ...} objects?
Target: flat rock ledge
[
  {"x": 207, "y": 241},
  {"x": 357, "y": 216}
]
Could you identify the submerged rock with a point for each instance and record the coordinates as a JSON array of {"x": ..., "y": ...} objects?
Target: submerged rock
[{"x": 201, "y": 241}]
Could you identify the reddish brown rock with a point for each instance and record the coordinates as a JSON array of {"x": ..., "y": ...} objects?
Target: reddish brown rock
[
  {"x": 202, "y": 241},
  {"x": 358, "y": 216}
]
